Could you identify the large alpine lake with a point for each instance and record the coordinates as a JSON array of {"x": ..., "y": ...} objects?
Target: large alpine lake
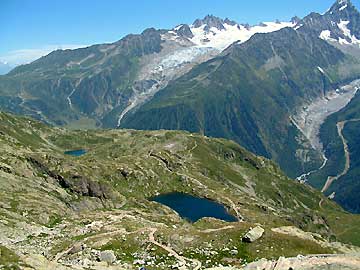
[{"x": 194, "y": 208}]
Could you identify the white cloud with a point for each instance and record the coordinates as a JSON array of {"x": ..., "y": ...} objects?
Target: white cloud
[{"x": 24, "y": 56}]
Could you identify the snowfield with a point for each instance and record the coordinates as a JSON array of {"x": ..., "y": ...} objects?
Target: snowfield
[
  {"x": 343, "y": 26},
  {"x": 182, "y": 56},
  {"x": 221, "y": 39}
]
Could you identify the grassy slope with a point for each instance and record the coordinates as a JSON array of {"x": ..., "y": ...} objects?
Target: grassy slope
[
  {"x": 99, "y": 79},
  {"x": 348, "y": 187},
  {"x": 121, "y": 163}
]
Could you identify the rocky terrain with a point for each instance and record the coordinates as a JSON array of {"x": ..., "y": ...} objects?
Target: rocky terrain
[{"x": 92, "y": 211}]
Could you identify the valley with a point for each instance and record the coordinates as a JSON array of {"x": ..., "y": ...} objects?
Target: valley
[
  {"x": 312, "y": 116},
  {"x": 331, "y": 179}
]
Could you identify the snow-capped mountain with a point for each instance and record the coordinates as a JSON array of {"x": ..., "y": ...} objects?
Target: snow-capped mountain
[
  {"x": 129, "y": 72},
  {"x": 286, "y": 69},
  {"x": 187, "y": 45},
  {"x": 217, "y": 33},
  {"x": 339, "y": 25}
]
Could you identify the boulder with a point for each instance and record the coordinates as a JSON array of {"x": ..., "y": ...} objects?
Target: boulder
[
  {"x": 107, "y": 256},
  {"x": 253, "y": 235}
]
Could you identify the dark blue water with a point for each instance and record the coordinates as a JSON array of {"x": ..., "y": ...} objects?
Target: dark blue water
[
  {"x": 76, "y": 153},
  {"x": 194, "y": 208}
]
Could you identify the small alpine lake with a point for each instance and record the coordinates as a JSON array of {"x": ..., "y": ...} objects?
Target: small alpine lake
[
  {"x": 75, "y": 153},
  {"x": 194, "y": 208}
]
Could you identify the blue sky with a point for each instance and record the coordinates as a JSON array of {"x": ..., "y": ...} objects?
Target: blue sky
[{"x": 32, "y": 27}]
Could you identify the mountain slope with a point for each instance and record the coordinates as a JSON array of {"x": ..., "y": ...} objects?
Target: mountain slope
[
  {"x": 68, "y": 85},
  {"x": 344, "y": 189},
  {"x": 98, "y": 85},
  {"x": 252, "y": 91},
  {"x": 63, "y": 211},
  {"x": 248, "y": 94}
]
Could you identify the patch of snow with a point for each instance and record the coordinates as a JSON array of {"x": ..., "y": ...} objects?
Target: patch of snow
[
  {"x": 343, "y": 26},
  {"x": 325, "y": 35},
  {"x": 178, "y": 27},
  {"x": 343, "y": 41},
  {"x": 343, "y": 7},
  {"x": 299, "y": 26},
  {"x": 321, "y": 70}
]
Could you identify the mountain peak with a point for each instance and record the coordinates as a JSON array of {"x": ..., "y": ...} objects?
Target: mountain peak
[
  {"x": 341, "y": 6},
  {"x": 342, "y": 3},
  {"x": 210, "y": 21},
  {"x": 295, "y": 20}
]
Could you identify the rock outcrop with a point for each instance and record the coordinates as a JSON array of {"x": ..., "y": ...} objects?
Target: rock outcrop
[{"x": 253, "y": 235}]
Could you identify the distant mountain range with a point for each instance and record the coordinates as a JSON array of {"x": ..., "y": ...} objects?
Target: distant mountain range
[{"x": 215, "y": 76}]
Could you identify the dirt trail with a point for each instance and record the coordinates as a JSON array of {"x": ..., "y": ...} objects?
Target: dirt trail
[
  {"x": 181, "y": 259},
  {"x": 340, "y": 128},
  {"x": 218, "y": 230},
  {"x": 167, "y": 248}
]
